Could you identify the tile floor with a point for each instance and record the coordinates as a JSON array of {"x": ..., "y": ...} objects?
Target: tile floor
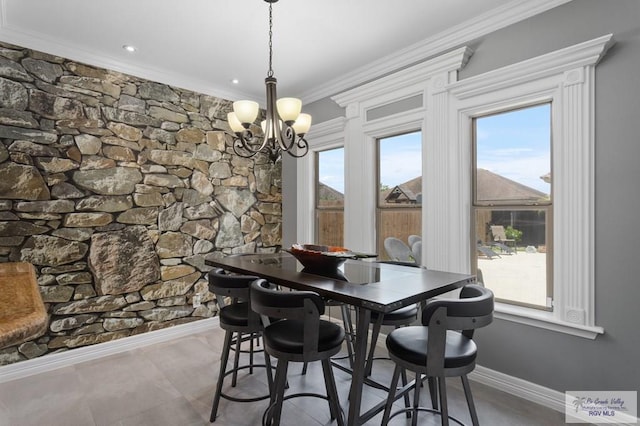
[{"x": 172, "y": 384}]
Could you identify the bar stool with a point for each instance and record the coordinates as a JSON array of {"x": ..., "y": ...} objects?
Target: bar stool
[
  {"x": 240, "y": 324},
  {"x": 299, "y": 336},
  {"x": 350, "y": 334},
  {"x": 437, "y": 350},
  {"x": 399, "y": 318}
]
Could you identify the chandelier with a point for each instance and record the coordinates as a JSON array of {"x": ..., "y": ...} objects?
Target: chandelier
[{"x": 284, "y": 126}]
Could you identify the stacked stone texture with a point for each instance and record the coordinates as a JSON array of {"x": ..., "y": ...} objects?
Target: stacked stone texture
[{"x": 116, "y": 189}]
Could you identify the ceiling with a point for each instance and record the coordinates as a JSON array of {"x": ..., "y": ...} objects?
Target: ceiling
[{"x": 319, "y": 47}]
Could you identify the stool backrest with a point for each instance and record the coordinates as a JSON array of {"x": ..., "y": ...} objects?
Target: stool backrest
[
  {"x": 235, "y": 287},
  {"x": 474, "y": 309},
  {"x": 305, "y": 306}
]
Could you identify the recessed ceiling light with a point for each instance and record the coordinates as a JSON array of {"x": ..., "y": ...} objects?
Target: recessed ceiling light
[
  {"x": 235, "y": 81},
  {"x": 129, "y": 48}
]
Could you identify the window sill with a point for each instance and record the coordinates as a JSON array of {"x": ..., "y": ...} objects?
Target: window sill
[{"x": 545, "y": 320}]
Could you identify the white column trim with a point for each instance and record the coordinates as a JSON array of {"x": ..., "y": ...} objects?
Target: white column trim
[{"x": 445, "y": 206}]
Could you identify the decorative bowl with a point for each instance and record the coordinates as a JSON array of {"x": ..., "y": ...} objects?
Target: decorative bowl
[{"x": 320, "y": 258}]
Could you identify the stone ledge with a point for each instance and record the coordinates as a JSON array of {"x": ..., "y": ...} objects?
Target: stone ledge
[{"x": 22, "y": 313}]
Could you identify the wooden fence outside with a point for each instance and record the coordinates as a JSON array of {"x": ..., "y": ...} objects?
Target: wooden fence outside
[{"x": 398, "y": 222}]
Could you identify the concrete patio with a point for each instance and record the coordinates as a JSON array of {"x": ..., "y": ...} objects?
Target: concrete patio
[{"x": 519, "y": 277}]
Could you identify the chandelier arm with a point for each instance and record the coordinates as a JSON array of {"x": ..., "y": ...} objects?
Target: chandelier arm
[
  {"x": 301, "y": 144},
  {"x": 286, "y": 137},
  {"x": 243, "y": 146},
  {"x": 238, "y": 149}
]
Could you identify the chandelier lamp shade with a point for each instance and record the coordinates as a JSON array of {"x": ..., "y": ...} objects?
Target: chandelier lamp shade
[{"x": 283, "y": 128}]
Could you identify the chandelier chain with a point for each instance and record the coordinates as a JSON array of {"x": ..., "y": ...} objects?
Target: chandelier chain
[{"x": 270, "y": 73}]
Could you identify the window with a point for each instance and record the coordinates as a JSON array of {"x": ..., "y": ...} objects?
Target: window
[
  {"x": 564, "y": 82},
  {"x": 399, "y": 188},
  {"x": 512, "y": 201},
  {"x": 330, "y": 197}
]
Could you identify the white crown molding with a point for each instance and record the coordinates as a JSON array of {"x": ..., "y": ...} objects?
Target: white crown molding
[
  {"x": 579, "y": 55},
  {"x": 486, "y": 23},
  {"x": 407, "y": 77},
  {"x": 330, "y": 128},
  {"x": 68, "y": 358}
]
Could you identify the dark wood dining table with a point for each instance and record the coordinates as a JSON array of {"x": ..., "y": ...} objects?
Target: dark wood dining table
[{"x": 365, "y": 285}]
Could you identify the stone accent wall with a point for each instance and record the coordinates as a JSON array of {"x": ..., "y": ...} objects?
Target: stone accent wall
[{"x": 117, "y": 189}]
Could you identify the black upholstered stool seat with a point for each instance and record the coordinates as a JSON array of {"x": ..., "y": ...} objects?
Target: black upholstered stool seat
[
  {"x": 406, "y": 313},
  {"x": 288, "y": 336},
  {"x": 398, "y": 318},
  {"x": 235, "y": 315},
  {"x": 410, "y": 344}
]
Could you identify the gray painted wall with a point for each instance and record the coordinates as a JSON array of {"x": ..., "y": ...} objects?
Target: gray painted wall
[
  {"x": 548, "y": 358},
  {"x": 289, "y": 199}
]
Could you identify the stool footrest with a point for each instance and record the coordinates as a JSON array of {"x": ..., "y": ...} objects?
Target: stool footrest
[
  {"x": 267, "y": 412},
  {"x": 414, "y": 410},
  {"x": 238, "y": 399}
]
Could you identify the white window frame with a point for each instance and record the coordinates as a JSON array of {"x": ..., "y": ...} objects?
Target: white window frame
[
  {"x": 323, "y": 136},
  {"x": 566, "y": 78}
]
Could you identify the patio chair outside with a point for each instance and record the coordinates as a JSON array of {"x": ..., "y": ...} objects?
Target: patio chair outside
[
  {"x": 504, "y": 248},
  {"x": 486, "y": 251},
  {"x": 397, "y": 250},
  {"x": 416, "y": 249},
  {"x": 413, "y": 239},
  {"x": 501, "y": 241}
]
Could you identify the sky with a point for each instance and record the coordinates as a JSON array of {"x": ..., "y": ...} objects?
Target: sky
[
  {"x": 331, "y": 168},
  {"x": 515, "y": 145},
  {"x": 401, "y": 161}
]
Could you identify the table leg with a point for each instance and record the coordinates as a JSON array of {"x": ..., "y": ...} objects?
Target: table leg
[{"x": 357, "y": 380}]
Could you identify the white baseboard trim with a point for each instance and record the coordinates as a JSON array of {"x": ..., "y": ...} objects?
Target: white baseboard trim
[
  {"x": 535, "y": 393},
  {"x": 519, "y": 387},
  {"x": 71, "y": 357}
]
